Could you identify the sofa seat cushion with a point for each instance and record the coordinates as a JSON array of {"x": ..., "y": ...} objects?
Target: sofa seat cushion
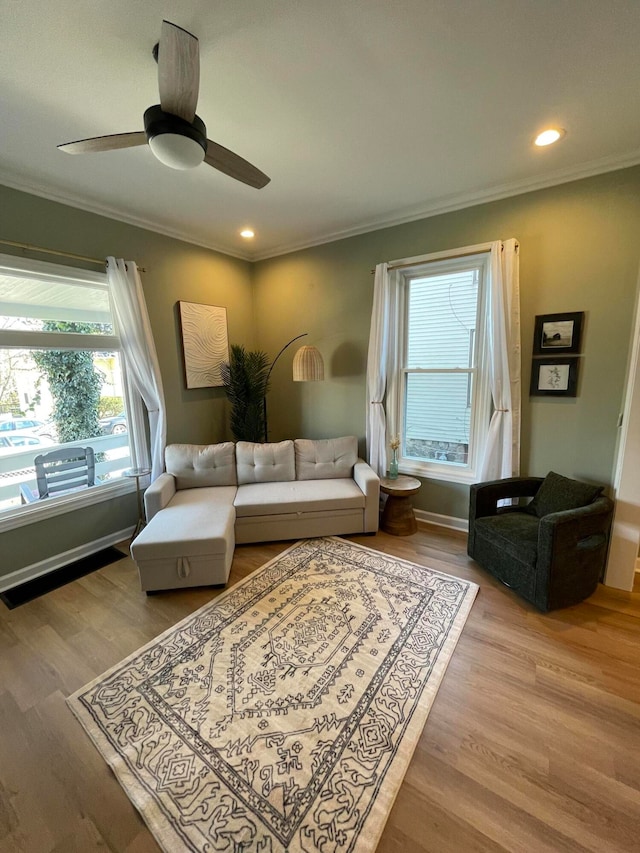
[
  {"x": 297, "y": 496},
  {"x": 195, "y": 522},
  {"x": 213, "y": 497},
  {"x": 515, "y": 534},
  {"x": 201, "y": 465},
  {"x": 325, "y": 459},
  {"x": 272, "y": 462}
]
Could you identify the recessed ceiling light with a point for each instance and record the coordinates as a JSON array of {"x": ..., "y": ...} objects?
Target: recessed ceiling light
[
  {"x": 549, "y": 136},
  {"x": 247, "y": 233}
]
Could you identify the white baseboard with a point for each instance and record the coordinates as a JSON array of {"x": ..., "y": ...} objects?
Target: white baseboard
[
  {"x": 449, "y": 521},
  {"x": 36, "y": 570}
]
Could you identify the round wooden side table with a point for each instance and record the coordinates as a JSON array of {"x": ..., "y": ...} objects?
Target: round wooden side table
[{"x": 397, "y": 516}]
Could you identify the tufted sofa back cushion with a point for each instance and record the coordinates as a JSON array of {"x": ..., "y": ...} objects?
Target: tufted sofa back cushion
[
  {"x": 265, "y": 463},
  {"x": 195, "y": 465},
  {"x": 324, "y": 459}
]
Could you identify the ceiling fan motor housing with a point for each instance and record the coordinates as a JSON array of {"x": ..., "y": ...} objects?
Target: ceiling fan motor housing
[{"x": 175, "y": 142}]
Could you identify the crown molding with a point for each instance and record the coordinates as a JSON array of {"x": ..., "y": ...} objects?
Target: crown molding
[
  {"x": 18, "y": 182},
  {"x": 445, "y": 204},
  {"x": 463, "y": 200}
]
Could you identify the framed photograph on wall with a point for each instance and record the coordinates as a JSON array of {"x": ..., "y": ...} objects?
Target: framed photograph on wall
[
  {"x": 558, "y": 333},
  {"x": 554, "y": 377},
  {"x": 205, "y": 343}
]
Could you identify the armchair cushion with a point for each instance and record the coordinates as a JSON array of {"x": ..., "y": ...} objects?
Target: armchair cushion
[
  {"x": 515, "y": 535},
  {"x": 558, "y": 494}
]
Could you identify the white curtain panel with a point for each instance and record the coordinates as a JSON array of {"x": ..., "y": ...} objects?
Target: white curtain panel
[
  {"x": 140, "y": 357},
  {"x": 377, "y": 363},
  {"x": 502, "y": 452}
]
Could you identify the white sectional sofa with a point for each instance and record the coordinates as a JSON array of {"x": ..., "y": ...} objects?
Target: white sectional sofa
[{"x": 214, "y": 496}]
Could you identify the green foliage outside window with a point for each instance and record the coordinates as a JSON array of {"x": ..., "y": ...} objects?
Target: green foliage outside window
[
  {"x": 74, "y": 384},
  {"x": 110, "y": 407}
]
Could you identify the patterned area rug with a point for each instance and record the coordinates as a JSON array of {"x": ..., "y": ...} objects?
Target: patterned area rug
[{"x": 282, "y": 715}]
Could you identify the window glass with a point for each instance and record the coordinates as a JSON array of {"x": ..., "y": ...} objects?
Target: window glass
[
  {"x": 442, "y": 320},
  {"x": 52, "y": 398},
  {"x": 45, "y": 305},
  {"x": 439, "y": 402},
  {"x": 438, "y": 417},
  {"x": 441, "y": 326}
]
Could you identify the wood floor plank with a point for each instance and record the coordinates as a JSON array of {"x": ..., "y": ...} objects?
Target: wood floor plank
[{"x": 531, "y": 744}]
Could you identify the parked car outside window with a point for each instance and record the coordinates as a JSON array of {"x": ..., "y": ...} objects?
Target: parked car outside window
[
  {"x": 16, "y": 442},
  {"x": 24, "y": 424},
  {"x": 117, "y": 425}
]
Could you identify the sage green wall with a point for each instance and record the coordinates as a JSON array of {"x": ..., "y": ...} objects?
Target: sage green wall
[
  {"x": 579, "y": 251},
  {"x": 174, "y": 271}
]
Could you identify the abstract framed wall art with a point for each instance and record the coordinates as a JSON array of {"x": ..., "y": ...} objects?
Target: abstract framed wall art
[
  {"x": 554, "y": 377},
  {"x": 205, "y": 343},
  {"x": 558, "y": 333}
]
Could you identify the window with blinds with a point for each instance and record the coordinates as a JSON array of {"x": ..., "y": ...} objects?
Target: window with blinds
[{"x": 441, "y": 395}]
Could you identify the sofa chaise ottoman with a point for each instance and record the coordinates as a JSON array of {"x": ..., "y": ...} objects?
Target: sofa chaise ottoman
[
  {"x": 214, "y": 496},
  {"x": 190, "y": 544}
]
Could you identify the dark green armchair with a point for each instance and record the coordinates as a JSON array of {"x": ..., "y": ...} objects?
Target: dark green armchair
[{"x": 552, "y": 551}]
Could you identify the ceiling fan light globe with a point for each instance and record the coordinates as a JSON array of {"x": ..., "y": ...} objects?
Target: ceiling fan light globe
[{"x": 177, "y": 151}]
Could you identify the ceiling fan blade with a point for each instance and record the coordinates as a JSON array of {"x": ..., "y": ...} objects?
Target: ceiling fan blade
[
  {"x": 105, "y": 143},
  {"x": 234, "y": 166},
  {"x": 178, "y": 71}
]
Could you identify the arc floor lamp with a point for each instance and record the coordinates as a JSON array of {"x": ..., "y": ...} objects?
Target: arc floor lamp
[{"x": 308, "y": 366}]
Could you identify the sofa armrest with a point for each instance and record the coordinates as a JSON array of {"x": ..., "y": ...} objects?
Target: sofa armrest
[
  {"x": 369, "y": 483},
  {"x": 159, "y": 493}
]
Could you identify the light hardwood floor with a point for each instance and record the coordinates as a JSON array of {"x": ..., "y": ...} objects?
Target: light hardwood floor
[{"x": 532, "y": 743}]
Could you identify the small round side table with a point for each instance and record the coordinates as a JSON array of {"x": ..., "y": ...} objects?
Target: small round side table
[
  {"x": 137, "y": 474},
  {"x": 397, "y": 516}
]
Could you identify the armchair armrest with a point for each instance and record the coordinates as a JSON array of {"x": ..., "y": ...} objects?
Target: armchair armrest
[
  {"x": 572, "y": 547},
  {"x": 369, "y": 482},
  {"x": 575, "y": 527},
  {"x": 484, "y": 497},
  {"x": 159, "y": 493}
]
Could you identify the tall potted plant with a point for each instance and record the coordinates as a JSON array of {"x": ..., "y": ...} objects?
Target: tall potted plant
[{"x": 246, "y": 380}]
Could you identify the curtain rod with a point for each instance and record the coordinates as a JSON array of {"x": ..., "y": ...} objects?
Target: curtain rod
[
  {"x": 472, "y": 250},
  {"x": 30, "y": 248}
]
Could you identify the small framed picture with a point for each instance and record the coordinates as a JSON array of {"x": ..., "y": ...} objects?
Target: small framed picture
[
  {"x": 554, "y": 377},
  {"x": 558, "y": 333}
]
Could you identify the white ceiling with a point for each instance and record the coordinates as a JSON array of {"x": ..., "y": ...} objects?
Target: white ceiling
[{"x": 363, "y": 112}]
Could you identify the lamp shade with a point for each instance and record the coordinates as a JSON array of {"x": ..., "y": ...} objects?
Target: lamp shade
[{"x": 308, "y": 365}]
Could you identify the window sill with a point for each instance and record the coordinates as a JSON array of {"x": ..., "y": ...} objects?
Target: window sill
[
  {"x": 464, "y": 477},
  {"x": 51, "y": 507}
]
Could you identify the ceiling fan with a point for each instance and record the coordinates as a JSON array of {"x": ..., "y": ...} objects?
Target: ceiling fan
[{"x": 175, "y": 134}]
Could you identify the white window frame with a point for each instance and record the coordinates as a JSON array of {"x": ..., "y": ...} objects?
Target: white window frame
[
  {"x": 412, "y": 268},
  {"x": 24, "y": 339}
]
